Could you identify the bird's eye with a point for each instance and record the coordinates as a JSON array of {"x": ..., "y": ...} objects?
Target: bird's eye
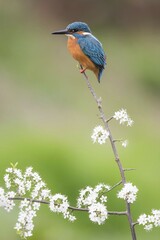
[{"x": 74, "y": 30}]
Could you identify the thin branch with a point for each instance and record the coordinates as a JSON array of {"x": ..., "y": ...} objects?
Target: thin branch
[
  {"x": 70, "y": 207},
  {"x": 135, "y": 223},
  {"x": 104, "y": 119},
  {"x": 117, "y": 213},
  {"x": 117, "y": 184},
  {"x": 28, "y": 199},
  {"x": 115, "y": 152}
]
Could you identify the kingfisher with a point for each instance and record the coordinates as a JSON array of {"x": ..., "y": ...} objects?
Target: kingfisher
[{"x": 85, "y": 48}]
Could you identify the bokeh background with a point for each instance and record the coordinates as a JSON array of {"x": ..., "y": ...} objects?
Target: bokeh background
[{"x": 47, "y": 113}]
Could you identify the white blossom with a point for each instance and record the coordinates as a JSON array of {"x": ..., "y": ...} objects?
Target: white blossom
[
  {"x": 36, "y": 190},
  {"x": 103, "y": 199},
  {"x": 101, "y": 187},
  {"x": 58, "y": 203},
  {"x": 71, "y": 218},
  {"x": 156, "y": 216},
  {"x": 68, "y": 215},
  {"x": 17, "y": 173},
  {"x": 99, "y": 135},
  {"x": 36, "y": 206},
  {"x": 86, "y": 197},
  {"x": 20, "y": 186},
  {"x": 148, "y": 227},
  {"x": 5, "y": 202},
  {"x": 123, "y": 117},
  {"x": 7, "y": 181},
  {"x": 36, "y": 177},
  {"x": 28, "y": 172},
  {"x": 150, "y": 221},
  {"x": 9, "y": 170},
  {"x": 28, "y": 185},
  {"x": 142, "y": 220},
  {"x": 89, "y": 195},
  {"x": 24, "y": 203},
  {"x": 98, "y": 213},
  {"x": 2, "y": 197},
  {"x": 45, "y": 193},
  {"x": 24, "y": 225},
  {"x": 9, "y": 204},
  {"x": 128, "y": 193},
  {"x": 125, "y": 143}
]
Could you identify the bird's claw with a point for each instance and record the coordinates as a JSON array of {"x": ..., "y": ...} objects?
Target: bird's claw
[{"x": 82, "y": 70}]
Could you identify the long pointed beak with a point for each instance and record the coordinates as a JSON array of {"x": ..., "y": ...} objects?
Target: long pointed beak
[{"x": 65, "y": 31}]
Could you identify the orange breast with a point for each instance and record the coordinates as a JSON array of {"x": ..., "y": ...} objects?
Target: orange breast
[{"x": 78, "y": 55}]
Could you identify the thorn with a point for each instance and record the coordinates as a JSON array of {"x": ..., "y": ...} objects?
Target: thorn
[
  {"x": 129, "y": 169},
  {"x": 117, "y": 140},
  {"x": 109, "y": 119}
]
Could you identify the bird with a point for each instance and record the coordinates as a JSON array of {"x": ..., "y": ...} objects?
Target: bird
[{"x": 85, "y": 48}]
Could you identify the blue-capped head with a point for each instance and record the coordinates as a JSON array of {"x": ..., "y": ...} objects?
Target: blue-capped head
[
  {"x": 78, "y": 27},
  {"x": 74, "y": 27}
]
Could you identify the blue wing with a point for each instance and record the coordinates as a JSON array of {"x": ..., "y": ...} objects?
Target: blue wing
[{"x": 92, "y": 48}]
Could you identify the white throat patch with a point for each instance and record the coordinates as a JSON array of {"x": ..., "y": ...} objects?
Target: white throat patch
[{"x": 70, "y": 35}]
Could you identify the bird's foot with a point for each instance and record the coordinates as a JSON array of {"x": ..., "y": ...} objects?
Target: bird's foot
[{"x": 82, "y": 70}]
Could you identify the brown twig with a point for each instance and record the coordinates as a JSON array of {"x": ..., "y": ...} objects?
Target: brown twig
[
  {"x": 70, "y": 207},
  {"x": 115, "y": 152}
]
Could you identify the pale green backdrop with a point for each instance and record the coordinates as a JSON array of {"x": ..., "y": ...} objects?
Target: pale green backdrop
[{"x": 47, "y": 113}]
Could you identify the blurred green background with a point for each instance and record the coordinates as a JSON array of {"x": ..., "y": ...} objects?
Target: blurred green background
[{"x": 47, "y": 113}]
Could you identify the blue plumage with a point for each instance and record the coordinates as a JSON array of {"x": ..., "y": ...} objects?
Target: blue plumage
[
  {"x": 92, "y": 48},
  {"x": 90, "y": 53}
]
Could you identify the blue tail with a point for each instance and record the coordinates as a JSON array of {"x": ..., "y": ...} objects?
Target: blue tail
[{"x": 100, "y": 74}]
